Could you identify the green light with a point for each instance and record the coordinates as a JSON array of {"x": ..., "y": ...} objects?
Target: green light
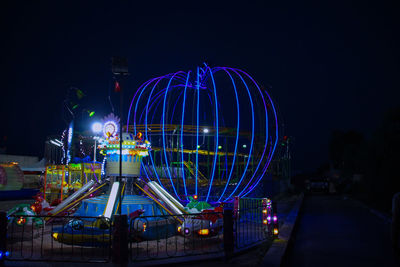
[
  {"x": 219, "y": 147},
  {"x": 91, "y": 114},
  {"x": 79, "y": 94}
]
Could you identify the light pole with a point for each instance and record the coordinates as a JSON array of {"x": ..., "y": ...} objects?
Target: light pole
[
  {"x": 96, "y": 128},
  {"x": 119, "y": 68}
]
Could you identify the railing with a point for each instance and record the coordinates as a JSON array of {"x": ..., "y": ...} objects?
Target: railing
[
  {"x": 249, "y": 227},
  {"x": 95, "y": 239},
  {"x": 160, "y": 237},
  {"x": 63, "y": 238}
]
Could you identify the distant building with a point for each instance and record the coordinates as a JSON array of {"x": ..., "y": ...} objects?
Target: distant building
[{"x": 31, "y": 168}]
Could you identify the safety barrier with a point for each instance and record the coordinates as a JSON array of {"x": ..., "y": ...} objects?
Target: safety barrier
[
  {"x": 253, "y": 224},
  {"x": 138, "y": 239},
  {"x": 64, "y": 238},
  {"x": 159, "y": 237}
]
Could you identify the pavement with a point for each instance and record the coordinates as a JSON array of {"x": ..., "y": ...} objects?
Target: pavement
[
  {"x": 279, "y": 247},
  {"x": 339, "y": 231}
]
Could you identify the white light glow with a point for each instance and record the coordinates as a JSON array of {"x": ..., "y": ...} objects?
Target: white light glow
[
  {"x": 205, "y": 130},
  {"x": 97, "y": 127},
  {"x": 58, "y": 141},
  {"x": 54, "y": 143}
]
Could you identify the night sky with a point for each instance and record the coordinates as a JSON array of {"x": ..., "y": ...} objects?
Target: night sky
[{"x": 327, "y": 65}]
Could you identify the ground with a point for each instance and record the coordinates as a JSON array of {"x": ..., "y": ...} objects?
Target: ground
[{"x": 339, "y": 231}]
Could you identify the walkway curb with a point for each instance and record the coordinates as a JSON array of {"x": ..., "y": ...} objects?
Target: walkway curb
[{"x": 276, "y": 253}]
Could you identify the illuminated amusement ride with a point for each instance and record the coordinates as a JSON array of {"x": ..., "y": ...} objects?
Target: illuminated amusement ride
[{"x": 193, "y": 142}]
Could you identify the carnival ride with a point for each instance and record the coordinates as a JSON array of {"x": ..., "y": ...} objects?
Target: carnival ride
[
  {"x": 60, "y": 181},
  {"x": 188, "y": 148},
  {"x": 213, "y": 132}
]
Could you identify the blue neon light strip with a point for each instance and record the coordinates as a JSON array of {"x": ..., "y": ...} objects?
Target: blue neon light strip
[
  {"x": 163, "y": 134},
  {"x": 144, "y": 85},
  {"x": 264, "y": 170},
  {"x": 252, "y": 136},
  {"x": 217, "y": 131},
  {"x": 146, "y": 135},
  {"x": 182, "y": 121},
  {"x": 237, "y": 135},
  {"x": 137, "y": 101},
  {"x": 133, "y": 99},
  {"x": 144, "y": 168},
  {"x": 276, "y": 135},
  {"x": 273, "y": 150},
  {"x": 266, "y": 137},
  {"x": 175, "y": 175},
  {"x": 156, "y": 99}
]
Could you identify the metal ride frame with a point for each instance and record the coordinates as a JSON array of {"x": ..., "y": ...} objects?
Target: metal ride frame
[
  {"x": 175, "y": 152},
  {"x": 174, "y": 106}
]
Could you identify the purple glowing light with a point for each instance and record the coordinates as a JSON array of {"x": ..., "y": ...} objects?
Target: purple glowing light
[{"x": 187, "y": 98}]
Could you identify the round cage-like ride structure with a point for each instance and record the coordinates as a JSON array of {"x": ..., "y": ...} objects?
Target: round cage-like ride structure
[{"x": 213, "y": 132}]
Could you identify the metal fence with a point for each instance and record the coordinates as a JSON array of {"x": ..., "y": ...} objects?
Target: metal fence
[
  {"x": 91, "y": 239},
  {"x": 161, "y": 237},
  {"x": 62, "y": 238},
  {"x": 249, "y": 226}
]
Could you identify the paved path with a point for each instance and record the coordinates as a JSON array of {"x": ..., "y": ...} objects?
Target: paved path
[{"x": 336, "y": 231}]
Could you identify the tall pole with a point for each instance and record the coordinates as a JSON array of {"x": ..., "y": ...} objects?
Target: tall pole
[
  {"x": 120, "y": 149},
  {"x": 120, "y": 68},
  {"x": 94, "y": 157}
]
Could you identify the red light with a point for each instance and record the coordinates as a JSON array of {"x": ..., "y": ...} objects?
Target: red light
[
  {"x": 195, "y": 197},
  {"x": 285, "y": 138},
  {"x": 21, "y": 220}
]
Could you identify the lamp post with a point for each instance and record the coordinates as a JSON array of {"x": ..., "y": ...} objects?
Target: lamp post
[
  {"x": 119, "y": 68},
  {"x": 96, "y": 128}
]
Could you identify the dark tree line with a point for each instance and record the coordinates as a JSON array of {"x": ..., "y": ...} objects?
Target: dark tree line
[{"x": 376, "y": 159}]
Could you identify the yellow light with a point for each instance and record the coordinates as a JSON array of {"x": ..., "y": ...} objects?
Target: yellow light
[
  {"x": 144, "y": 227},
  {"x": 276, "y": 231},
  {"x": 55, "y": 236},
  {"x": 265, "y": 222},
  {"x": 179, "y": 228},
  {"x": 195, "y": 197},
  {"x": 21, "y": 220},
  {"x": 204, "y": 232},
  {"x": 265, "y": 211}
]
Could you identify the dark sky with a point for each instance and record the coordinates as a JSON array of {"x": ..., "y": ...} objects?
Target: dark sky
[{"x": 330, "y": 65}]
